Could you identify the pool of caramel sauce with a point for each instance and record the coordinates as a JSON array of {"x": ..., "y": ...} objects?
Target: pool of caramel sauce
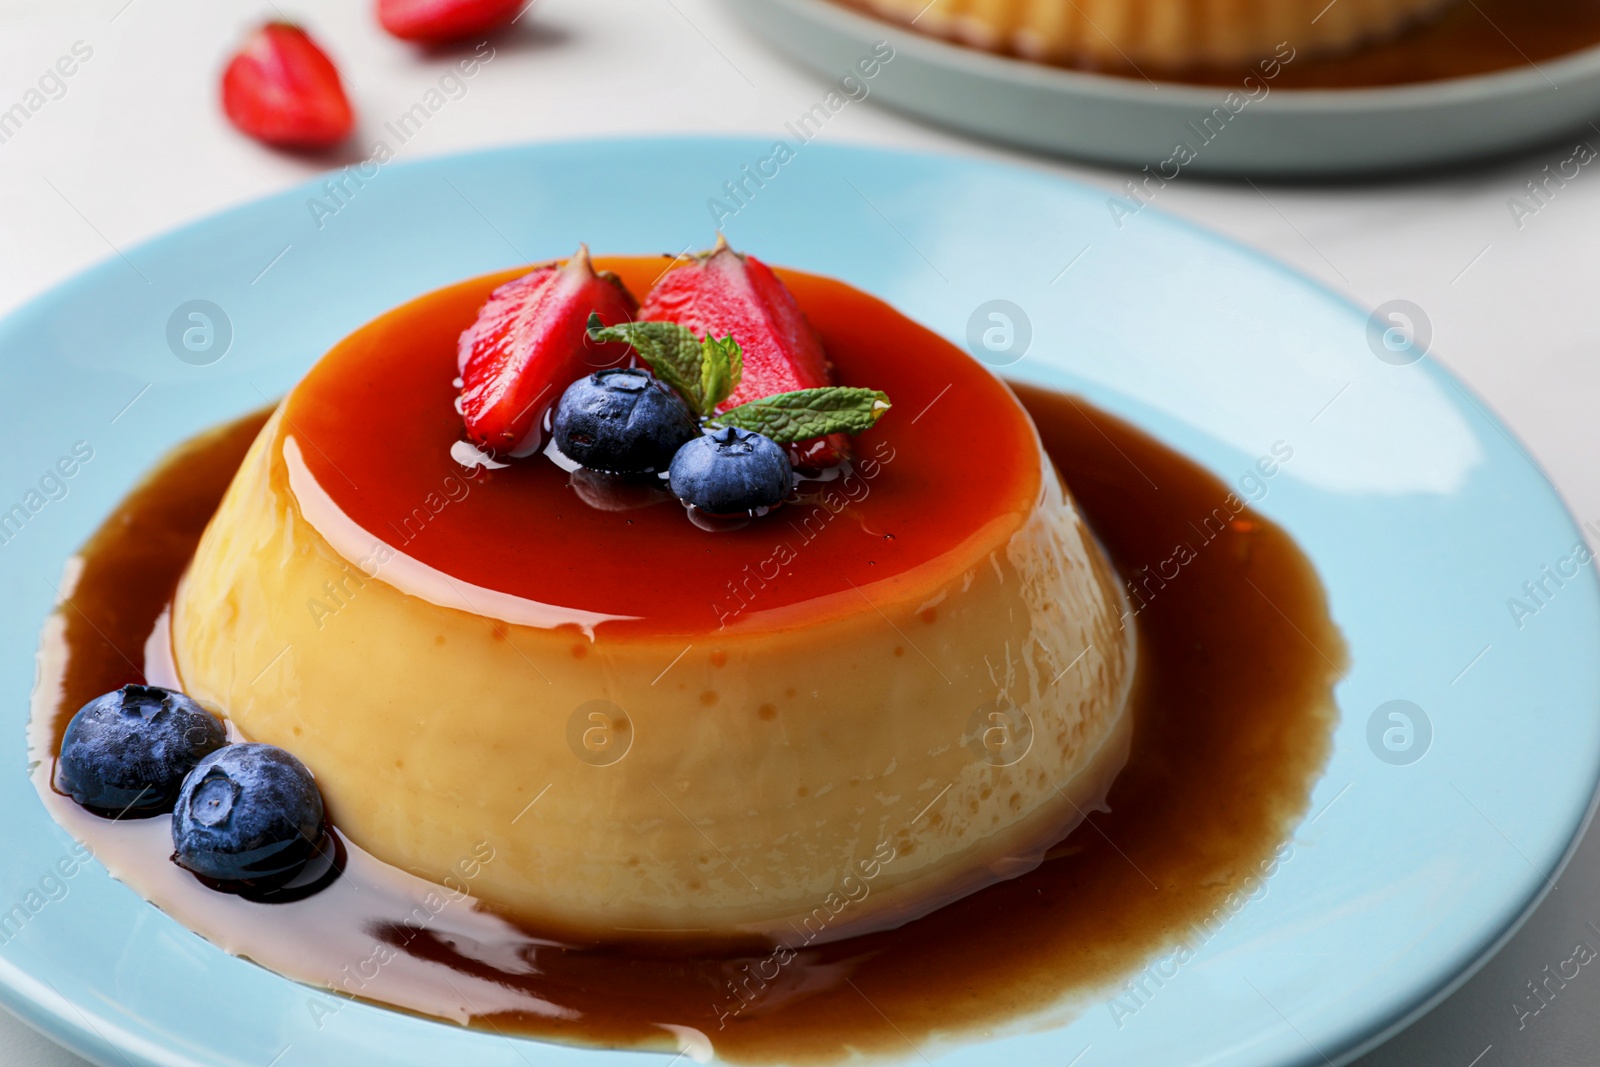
[
  {"x": 1233, "y": 720},
  {"x": 1481, "y": 37}
]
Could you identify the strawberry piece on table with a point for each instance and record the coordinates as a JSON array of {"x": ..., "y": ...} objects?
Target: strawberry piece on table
[
  {"x": 529, "y": 343},
  {"x": 437, "y": 21},
  {"x": 723, "y": 292},
  {"x": 282, "y": 89}
]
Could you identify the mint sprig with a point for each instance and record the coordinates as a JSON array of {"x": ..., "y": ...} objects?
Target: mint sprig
[
  {"x": 806, "y": 413},
  {"x": 705, "y": 372},
  {"x": 721, "y": 369}
]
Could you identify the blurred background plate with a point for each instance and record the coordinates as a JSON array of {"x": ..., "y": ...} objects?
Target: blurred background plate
[{"x": 1302, "y": 133}]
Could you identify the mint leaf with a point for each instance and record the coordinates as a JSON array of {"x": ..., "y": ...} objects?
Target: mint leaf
[
  {"x": 807, "y": 413},
  {"x": 705, "y": 372},
  {"x": 672, "y": 352},
  {"x": 721, "y": 367}
]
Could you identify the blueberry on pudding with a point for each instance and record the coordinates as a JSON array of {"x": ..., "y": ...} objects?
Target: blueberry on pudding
[
  {"x": 621, "y": 421},
  {"x": 728, "y": 470}
]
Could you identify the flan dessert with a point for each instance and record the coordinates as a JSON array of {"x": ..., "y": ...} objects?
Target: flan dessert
[
  {"x": 502, "y": 752},
  {"x": 829, "y": 714},
  {"x": 1168, "y": 35}
]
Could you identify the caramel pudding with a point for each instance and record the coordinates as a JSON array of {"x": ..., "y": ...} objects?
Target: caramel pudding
[
  {"x": 661, "y": 731},
  {"x": 776, "y": 782},
  {"x": 1233, "y": 717}
]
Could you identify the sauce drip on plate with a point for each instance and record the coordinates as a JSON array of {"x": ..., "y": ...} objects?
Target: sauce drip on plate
[{"x": 1233, "y": 715}]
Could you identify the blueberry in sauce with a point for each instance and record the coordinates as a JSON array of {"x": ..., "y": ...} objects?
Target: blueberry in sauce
[
  {"x": 126, "y": 753},
  {"x": 728, "y": 470},
  {"x": 621, "y": 420},
  {"x": 248, "y": 813}
]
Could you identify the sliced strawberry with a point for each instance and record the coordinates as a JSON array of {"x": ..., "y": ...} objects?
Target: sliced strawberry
[
  {"x": 529, "y": 343},
  {"x": 725, "y": 292},
  {"x": 436, "y": 21},
  {"x": 282, "y": 89}
]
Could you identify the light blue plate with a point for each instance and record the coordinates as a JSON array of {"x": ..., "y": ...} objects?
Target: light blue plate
[{"x": 1422, "y": 515}]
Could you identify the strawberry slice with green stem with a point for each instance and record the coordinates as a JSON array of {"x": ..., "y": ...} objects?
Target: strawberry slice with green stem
[
  {"x": 530, "y": 341},
  {"x": 726, "y": 293}
]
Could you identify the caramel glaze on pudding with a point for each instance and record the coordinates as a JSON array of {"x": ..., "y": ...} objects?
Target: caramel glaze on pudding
[{"x": 662, "y": 731}]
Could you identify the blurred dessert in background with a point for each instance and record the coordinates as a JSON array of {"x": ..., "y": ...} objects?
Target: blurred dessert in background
[{"x": 1161, "y": 34}]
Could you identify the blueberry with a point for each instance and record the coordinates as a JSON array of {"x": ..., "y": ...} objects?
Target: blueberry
[
  {"x": 127, "y": 752},
  {"x": 247, "y": 813},
  {"x": 622, "y": 421},
  {"x": 729, "y": 470}
]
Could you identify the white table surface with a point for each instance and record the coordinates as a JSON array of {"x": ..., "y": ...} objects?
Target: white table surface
[{"x": 137, "y": 145}]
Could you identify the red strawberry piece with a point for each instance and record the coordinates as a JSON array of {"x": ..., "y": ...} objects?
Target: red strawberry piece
[
  {"x": 529, "y": 343},
  {"x": 282, "y": 89},
  {"x": 724, "y": 292},
  {"x": 436, "y": 21}
]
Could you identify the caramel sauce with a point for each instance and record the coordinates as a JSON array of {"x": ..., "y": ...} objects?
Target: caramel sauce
[
  {"x": 1481, "y": 37},
  {"x": 130, "y": 568},
  {"x": 1233, "y": 714},
  {"x": 375, "y": 422}
]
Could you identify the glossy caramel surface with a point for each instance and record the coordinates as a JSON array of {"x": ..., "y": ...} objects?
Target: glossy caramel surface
[{"x": 375, "y": 421}]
